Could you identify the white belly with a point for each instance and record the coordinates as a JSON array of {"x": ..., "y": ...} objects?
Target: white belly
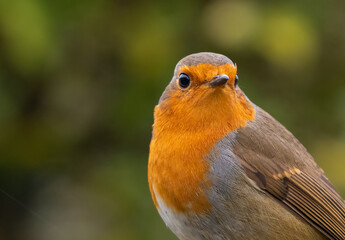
[{"x": 176, "y": 222}]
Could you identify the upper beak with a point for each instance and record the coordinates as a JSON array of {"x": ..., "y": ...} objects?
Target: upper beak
[{"x": 219, "y": 80}]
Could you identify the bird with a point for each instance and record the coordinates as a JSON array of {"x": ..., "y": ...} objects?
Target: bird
[{"x": 220, "y": 167}]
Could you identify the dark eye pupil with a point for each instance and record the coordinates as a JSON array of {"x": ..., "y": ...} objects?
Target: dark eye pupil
[
  {"x": 184, "y": 80},
  {"x": 236, "y": 81}
]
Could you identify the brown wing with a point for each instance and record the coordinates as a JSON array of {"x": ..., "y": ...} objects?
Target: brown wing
[{"x": 279, "y": 164}]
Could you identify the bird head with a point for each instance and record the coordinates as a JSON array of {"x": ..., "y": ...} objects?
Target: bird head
[{"x": 204, "y": 91}]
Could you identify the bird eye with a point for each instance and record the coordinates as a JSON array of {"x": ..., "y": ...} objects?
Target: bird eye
[
  {"x": 183, "y": 80},
  {"x": 236, "y": 81}
]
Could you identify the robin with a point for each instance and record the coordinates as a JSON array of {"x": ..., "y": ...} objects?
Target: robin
[{"x": 220, "y": 167}]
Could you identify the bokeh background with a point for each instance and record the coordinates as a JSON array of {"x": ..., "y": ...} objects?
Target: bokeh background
[{"x": 79, "y": 81}]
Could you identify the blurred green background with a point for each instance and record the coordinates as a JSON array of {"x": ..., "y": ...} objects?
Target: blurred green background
[{"x": 79, "y": 81}]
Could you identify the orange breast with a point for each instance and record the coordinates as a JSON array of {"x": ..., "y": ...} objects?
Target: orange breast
[{"x": 183, "y": 135}]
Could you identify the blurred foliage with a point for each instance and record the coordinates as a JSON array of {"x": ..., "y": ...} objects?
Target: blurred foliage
[{"x": 79, "y": 80}]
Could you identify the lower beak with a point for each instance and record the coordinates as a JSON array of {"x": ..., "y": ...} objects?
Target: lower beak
[{"x": 219, "y": 80}]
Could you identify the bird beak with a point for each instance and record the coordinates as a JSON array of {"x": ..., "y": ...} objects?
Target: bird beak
[{"x": 219, "y": 80}]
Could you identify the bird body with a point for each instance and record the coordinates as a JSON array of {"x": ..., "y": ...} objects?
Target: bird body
[{"x": 222, "y": 168}]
